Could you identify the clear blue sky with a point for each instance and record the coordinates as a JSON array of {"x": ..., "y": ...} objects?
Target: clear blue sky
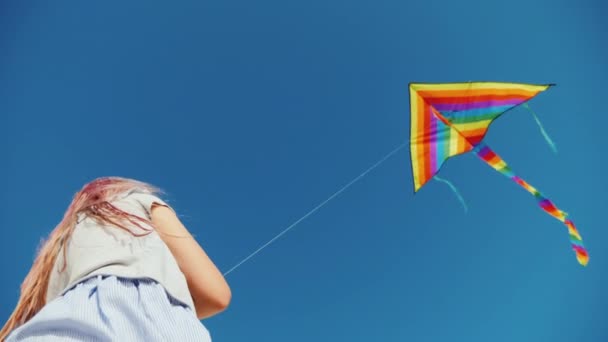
[{"x": 249, "y": 113}]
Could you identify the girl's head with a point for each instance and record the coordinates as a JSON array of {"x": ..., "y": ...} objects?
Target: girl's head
[
  {"x": 103, "y": 190},
  {"x": 94, "y": 200}
]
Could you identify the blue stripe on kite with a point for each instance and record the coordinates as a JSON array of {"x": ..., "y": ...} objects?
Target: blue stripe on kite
[{"x": 471, "y": 114}]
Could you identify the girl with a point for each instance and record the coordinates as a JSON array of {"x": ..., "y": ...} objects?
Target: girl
[{"x": 120, "y": 266}]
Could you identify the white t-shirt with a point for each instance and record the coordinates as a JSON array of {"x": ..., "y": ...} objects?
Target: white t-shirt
[{"x": 96, "y": 249}]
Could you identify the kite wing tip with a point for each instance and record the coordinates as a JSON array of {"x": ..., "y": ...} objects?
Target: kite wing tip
[{"x": 417, "y": 186}]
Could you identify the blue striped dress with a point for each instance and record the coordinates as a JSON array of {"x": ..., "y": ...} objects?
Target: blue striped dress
[{"x": 108, "y": 308}]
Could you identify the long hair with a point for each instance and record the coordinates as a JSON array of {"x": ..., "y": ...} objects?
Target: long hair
[{"x": 93, "y": 200}]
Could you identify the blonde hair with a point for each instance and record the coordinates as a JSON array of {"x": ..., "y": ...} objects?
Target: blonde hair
[{"x": 93, "y": 200}]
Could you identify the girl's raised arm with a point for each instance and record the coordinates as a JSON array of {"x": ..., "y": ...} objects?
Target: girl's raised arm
[{"x": 210, "y": 292}]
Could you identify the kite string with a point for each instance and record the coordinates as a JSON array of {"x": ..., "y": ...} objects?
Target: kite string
[{"x": 319, "y": 206}]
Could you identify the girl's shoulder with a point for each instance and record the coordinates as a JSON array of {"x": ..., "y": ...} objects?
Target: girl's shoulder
[{"x": 141, "y": 200}]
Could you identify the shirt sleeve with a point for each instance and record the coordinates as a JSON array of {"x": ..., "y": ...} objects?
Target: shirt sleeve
[{"x": 147, "y": 200}]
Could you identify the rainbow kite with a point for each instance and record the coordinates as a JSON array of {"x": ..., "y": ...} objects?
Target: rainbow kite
[{"x": 449, "y": 119}]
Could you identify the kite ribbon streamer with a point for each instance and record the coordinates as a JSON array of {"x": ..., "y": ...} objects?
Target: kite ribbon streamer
[
  {"x": 485, "y": 153},
  {"x": 542, "y": 129},
  {"x": 454, "y": 190}
]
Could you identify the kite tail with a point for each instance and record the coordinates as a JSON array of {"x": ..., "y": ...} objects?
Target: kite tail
[
  {"x": 454, "y": 190},
  {"x": 485, "y": 153},
  {"x": 542, "y": 129}
]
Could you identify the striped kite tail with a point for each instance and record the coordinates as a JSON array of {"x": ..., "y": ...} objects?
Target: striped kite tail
[{"x": 494, "y": 160}]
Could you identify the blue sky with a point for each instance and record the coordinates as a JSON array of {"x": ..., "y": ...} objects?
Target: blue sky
[{"x": 251, "y": 113}]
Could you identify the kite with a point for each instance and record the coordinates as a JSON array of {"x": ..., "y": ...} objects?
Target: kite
[{"x": 449, "y": 119}]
